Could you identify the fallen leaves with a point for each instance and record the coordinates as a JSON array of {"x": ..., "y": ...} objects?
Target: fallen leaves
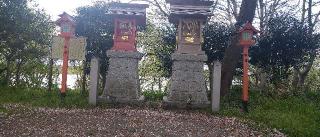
[{"x": 119, "y": 122}]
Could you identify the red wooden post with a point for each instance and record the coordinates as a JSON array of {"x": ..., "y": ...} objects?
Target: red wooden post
[
  {"x": 246, "y": 40},
  {"x": 65, "y": 65},
  {"x": 67, "y": 26},
  {"x": 245, "y": 80}
]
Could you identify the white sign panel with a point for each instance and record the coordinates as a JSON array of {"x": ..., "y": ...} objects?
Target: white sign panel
[{"x": 77, "y": 48}]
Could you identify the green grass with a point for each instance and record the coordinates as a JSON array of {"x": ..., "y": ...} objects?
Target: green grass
[
  {"x": 295, "y": 116},
  {"x": 41, "y": 98}
]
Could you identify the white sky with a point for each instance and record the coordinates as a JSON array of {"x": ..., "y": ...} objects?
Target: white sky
[{"x": 56, "y": 7}]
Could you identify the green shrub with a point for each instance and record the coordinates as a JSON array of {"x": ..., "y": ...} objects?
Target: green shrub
[{"x": 154, "y": 95}]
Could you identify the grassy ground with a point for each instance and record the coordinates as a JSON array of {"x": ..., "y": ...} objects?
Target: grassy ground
[
  {"x": 294, "y": 116},
  {"x": 41, "y": 98}
]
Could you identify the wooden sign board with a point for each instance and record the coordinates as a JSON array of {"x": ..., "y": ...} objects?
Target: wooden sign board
[{"x": 77, "y": 49}]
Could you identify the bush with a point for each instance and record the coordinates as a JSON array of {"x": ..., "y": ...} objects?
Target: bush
[{"x": 154, "y": 95}]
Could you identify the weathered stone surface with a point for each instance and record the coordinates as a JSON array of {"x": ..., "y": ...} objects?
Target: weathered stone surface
[
  {"x": 122, "y": 83},
  {"x": 215, "y": 95},
  {"x": 94, "y": 81},
  {"x": 189, "y": 57},
  {"x": 124, "y": 54},
  {"x": 187, "y": 84}
]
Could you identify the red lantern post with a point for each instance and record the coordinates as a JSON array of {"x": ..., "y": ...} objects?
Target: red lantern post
[
  {"x": 67, "y": 27},
  {"x": 246, "y": 40}
]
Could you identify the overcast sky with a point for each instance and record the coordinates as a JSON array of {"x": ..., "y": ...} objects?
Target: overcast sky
[{"x": 56, "y": 7}]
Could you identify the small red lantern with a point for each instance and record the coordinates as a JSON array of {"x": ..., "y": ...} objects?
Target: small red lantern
[
  {"x": 246, "y": 35},
  {"x": 66, "y": 24}
]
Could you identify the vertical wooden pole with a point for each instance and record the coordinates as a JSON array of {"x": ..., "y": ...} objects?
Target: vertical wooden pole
[
  {"x": 84, "y": 78},
  {"x": 50, "y": 71},
  {"x": 245, "y": 79},
  {"x": 65, "y": 66}
]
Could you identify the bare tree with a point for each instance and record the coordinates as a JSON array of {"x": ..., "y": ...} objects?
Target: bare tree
[
  {"x": 301, "y": 72},
  {"x": 232, "y": 54},
  {"x": 226, "y": 11},
  {"x": 268, "y": 9}
]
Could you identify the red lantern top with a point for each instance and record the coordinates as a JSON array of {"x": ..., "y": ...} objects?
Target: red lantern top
[
  {"x": 66, "y": 24},
  {"x": 246, "y": 34},
  {"x": 126, "y": 17}
]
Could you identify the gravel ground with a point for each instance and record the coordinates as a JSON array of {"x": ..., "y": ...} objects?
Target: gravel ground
[{"x": 118, "y": 122}]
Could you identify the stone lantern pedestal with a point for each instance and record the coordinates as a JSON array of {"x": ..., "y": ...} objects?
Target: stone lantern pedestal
[
  {"x": 122, "y": 83},
  {"x": 187, "y": 84}
]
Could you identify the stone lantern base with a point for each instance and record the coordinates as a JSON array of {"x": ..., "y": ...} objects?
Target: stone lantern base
[
  {"x": 122, "y": 81},
  {"x": 187, "y": 84}
]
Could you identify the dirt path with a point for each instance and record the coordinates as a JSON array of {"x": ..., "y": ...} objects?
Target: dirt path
[{"x": 25, "y": 121}]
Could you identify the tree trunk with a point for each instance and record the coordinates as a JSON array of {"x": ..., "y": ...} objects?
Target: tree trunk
[
  {"x": 83, "y": 82},
  {"x": 159, "y": 84},
  {"x": 302, "y": 79},
  {"x": 232, "y": 53},
  {"x": 8, "y": 73},
  {"x": 295, "y": 79},
  {"x": 262, "y": 14},
  {"x": 152, "y": 84},
  {"x": 17, "y": 75},
  {"x": 50, "y": 75},
  {"x": 304, "y": 73},
  {"x": 303, "y": 15},
  {"x": 310, "y": 24}
]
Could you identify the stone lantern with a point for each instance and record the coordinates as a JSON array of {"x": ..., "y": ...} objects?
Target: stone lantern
[
  {"x": 122, "y": 83},
  {"x": 187, "y": 84}
]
